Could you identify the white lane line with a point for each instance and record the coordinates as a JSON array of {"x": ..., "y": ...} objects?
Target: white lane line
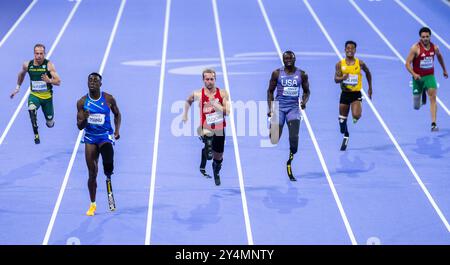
[
  {"x": 11, "y": 30},
  {"x": 313, "y": 138},
  {"x": 158, "y": 124},
  {"x": 418, "y": 19},
  {"x": 447, "y": 2},
  {"x": 25, "y": 96},
  {"x": 77, "y": 143},
  {"x": 394, "y": 141},
  {"x": 389, "y": 44},
  {"x": 380, "y": 119},
  {"x": 233, "y": 126}
]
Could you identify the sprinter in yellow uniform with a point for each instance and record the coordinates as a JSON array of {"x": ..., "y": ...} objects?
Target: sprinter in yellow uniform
[{"x": 348, "y": 74}]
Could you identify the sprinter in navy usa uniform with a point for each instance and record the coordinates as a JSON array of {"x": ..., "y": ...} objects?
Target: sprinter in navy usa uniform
[{"x": 285, "y": 83}]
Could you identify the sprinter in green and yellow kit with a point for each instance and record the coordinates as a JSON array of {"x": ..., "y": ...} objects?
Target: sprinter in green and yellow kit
[{"x": 43, "y": 77}]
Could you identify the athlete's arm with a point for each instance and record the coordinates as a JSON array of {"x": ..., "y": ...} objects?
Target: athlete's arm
[
  {"x": 117, "y": 116},
  {"x": 272, "y": 85},
  {"x": 82, "y": 115},
  {"x": 409, "y": 59},
  {"x": 306, "y": 91},
  {"x": 441, "y": 60},
  {"x": 225, "y": 109},
  {"x": 191, "y": 98},
  {"x": 55, "y": 80},
  {"x": 368, "y": 77},
  {"x": 338, "y": 76},
  {"x": 20, "y": 78}
]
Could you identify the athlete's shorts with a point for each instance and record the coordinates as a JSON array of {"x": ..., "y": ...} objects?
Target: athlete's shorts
[
  {"x": 283, "y": 114},
  {"x": 348, "y": 98},
  {"x": 423, "y": 84},
  {"x": 218, "y": 143},
  {"x": 98, "y": 139},
  {"x": 46, "y": 104}
]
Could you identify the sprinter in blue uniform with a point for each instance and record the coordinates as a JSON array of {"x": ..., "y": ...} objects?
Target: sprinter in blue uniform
[
  {"x": 94, "y": 117},
  {"x": 287, "y": 81}
]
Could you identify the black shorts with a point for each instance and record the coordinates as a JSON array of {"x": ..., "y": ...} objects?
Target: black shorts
[
  {"x": 348, "y": 98},
  {"x": 218, "y": 143}
]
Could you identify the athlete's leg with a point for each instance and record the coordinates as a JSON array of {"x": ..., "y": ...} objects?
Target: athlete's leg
[
  {"x": 33, "y": 106},
  {"x": 418, "y": 90},
  {"x": 47, "y": 109},
  {"x": 356, "y": 107},
  {"x": 218, "y": 148},
  {"x": 32, "y": 110},
  {"x": 343, "y": 114},
  {"x": 424, "y": 97},
  {"x": 91, "y": 155},
  {"x": 107, "y": 152},
  {"x": 432, "y": 92},
  {"x": 206, "y": 137},
  {"x": 416, "y": 101},
  {"x": 293, "y": 122},
  {"x": 293, "y": 118},
  {"x": 276, "y": 125},
  {"x": 344, "y": 109},
  {"x": 433, "y": 106},
  {"x": 206, "y": 153},
  {"x": 294, "y": 127}
]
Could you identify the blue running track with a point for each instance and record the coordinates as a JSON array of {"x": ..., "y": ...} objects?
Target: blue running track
[{"x": 391, "y": 185}]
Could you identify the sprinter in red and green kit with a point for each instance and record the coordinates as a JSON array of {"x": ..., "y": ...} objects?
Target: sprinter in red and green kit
[
  {"x": 43, "y": 77},
  {"x": 421, "y": 57}
]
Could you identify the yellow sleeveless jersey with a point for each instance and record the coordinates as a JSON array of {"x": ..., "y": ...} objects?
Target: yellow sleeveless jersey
[
  {"x": 38, "y": 87},
  {"x": 354, "y": 81}
]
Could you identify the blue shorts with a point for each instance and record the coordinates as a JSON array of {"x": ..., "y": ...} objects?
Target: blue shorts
[
  {"x": 98, "y": 139},
  {"x": 286, "y": 114}
]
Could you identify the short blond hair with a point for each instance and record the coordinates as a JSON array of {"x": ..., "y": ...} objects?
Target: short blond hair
[
  {"x": 209, "y": 71},
  {"x": 39, "y": 45}
]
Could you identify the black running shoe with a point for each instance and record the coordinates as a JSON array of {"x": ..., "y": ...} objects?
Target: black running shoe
[
  {"x": 216, "y": 169},
  {"x": 36, "y": 139},
  {"x": 217, "y": 179},
  {"x": 434, "y": 127}
]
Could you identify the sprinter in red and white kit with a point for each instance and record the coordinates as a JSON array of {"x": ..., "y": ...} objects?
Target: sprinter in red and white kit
[
  {"x": 214, "y": 106},
  {"x": 421, "y": 56}
]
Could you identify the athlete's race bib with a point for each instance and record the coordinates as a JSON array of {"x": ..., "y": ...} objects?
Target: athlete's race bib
[
  {"x": 96, "y": 119},
  {"x": 38, "y": 86},
  {"x": 214, "y": 118},
  {"x": 290, "y": 91},
  {"x": 352, "y": 80},
  {"x": 426, "y": 63}
]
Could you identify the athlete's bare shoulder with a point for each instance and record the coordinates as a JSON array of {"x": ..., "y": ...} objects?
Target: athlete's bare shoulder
[
  {"x": 81, "y": 101},
  {"x": 435, "y": 46},
  {"x": 223, "y": 93},
  {"x": 276, "y": 72},
  {"x": 197, "y": 94},
  {"x": 415, "y": 48},
  {"x": 109, "y": 98},
  {"x": 338, "y": 66}
]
